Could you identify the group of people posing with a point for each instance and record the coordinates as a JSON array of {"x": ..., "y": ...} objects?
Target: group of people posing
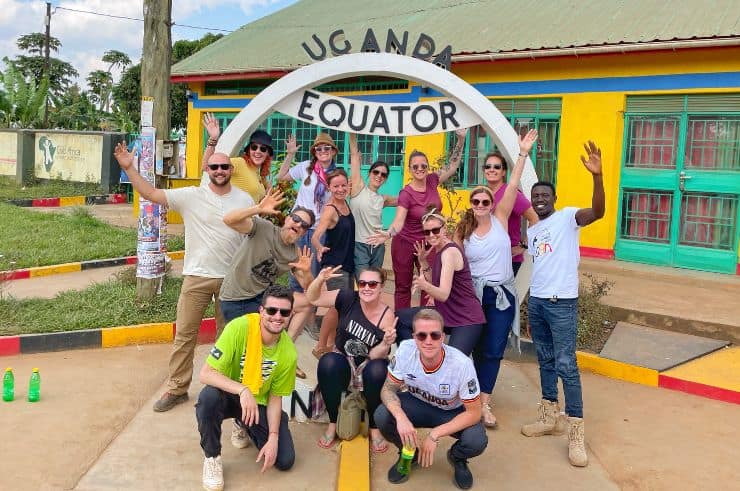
[{"x": 332, "y": 240}]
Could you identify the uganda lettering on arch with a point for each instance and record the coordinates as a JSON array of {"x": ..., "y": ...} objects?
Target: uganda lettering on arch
[{"x": 373, "y": 118}]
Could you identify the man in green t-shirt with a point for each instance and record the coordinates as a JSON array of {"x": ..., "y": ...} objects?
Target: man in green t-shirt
[{"x": 234, "y": 361}]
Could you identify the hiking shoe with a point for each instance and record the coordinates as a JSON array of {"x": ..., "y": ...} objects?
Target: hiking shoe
[
  {"x": 168, "y": 401},
  {"x": 576, "y": 442},
  {"x": 549, "y": 421},
  {"x": 213, "y": 474},
  {"x": 394, "y": 476},
  {"x": 239, "y": 437},
  {"x": 463, "y": 477}
]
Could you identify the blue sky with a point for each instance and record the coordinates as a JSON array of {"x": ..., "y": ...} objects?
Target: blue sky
[{"x": 86, "y": 37}]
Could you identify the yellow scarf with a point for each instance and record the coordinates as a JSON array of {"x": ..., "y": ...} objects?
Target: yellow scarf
[{"x": 252, "y": 372}]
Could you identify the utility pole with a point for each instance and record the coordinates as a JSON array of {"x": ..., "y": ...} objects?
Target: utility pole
[
  {"x": 155, "y": 84},
  {"x": 47, "y": 67}
]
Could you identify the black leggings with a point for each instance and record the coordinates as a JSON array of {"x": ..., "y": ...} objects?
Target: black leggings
[{"x": 334, "y": 375}]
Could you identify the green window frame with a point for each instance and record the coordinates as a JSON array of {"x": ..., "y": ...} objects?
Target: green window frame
[
  {"x": 542, "y": 114},
  {"x": 356, "y": 84}
]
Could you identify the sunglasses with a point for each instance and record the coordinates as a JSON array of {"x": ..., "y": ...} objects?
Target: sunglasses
[
  {"x": 493, "y": 166},
  {"x": 219, "y": 166},
  {"x": 379, "y": 173},
  {"x": 480, "y": 202},
  {"x": 275, "y": 310},
  {"x": 323, "y": 148},
  {"x": 370, "y": 284},
  {"x": 422, "y": 336},
  {"x": 262, "y": 148},
  {"x": 420, "y": 167},
  {"x": 299, "y": 220},
  {"x": 432, "y": 231}
]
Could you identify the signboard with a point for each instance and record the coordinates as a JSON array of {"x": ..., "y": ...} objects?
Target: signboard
[
  {"x": 8, "y": 153},
  {"x": 68, "y": 156}
]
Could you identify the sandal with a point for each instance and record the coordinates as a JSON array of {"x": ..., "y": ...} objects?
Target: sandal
[
  {"x": 489, "y": 420},
  {"x": 319, "y": 352},
  {"x": 379, "y": 445},
  {"x": 325, "y": 442},
  {"x": 299, "y": 373}
]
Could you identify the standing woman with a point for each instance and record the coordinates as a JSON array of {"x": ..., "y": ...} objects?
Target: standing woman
[
  {"x": 484, "y": 236},
  {"x": 447, "y": 280},
  {"x": 494, "y": 169},
  {"x": 251, "y": 169},
  {"x": 413, "y": 202},
  {"x": 365, "y": 334}
]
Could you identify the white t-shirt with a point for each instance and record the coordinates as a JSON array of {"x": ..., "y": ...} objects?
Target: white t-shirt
[
  {"x": 446, "y": 387},
  {"x": 490, "y": 256},
  {"x": 209, "y": 243},
  {"x": 553, "y": 243},
  {"x": 305, "y": 191},
  {"x": 367, "y": 208}
]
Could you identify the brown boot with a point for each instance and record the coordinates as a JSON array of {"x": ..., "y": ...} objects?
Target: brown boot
[
  {"x": 549, "y": 422},
  {"x": 576, "y": 442}
]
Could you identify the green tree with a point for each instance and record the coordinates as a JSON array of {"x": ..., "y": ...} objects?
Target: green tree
[
  {"x": 127, "y": 93},
  {"x": 22, "y": 102},
  {"x": 32, "y": 65},
  {"x": 74, "y": 110},
  {"x": 100, "y": 83}
]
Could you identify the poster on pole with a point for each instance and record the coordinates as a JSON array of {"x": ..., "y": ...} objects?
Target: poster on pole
[
  {"x": 147, "y": 111},
  {"x": 146, "y": 159},
  {"x": 150, "y": 265},
  {"x": 148, "y": 227}
]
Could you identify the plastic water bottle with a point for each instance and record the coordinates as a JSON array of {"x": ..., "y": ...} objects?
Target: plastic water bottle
[
  {"x": 8, "y": 385},
  {"x": 404, "y": 464},
  {"x": 34, "y": 386}
]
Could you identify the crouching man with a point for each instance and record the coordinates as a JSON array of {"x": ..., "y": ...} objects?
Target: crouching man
[
  {"x": 442, "y": 395},
  {"x": 249, "y": 369}
]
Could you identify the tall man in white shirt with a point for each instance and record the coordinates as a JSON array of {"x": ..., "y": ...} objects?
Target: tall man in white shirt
[
  {"x": 209, "y": 247},
  {"x": 553, "y": 305},
  {"x": 443, "y": 395}
]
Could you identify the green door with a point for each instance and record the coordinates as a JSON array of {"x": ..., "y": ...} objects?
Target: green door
[{"x": 680, "y": 186}]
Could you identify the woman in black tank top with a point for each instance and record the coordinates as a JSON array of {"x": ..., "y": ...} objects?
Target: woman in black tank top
[{"x": 364, "y": 337}]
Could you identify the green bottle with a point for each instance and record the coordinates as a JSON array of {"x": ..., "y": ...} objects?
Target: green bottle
[
  {"x": 404, "y": 463},
  {"x": 8, "y": 385},
  {"x": 34, "y": 386}
]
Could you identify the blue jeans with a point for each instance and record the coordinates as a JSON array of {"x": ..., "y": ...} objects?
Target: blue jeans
[
  {"x": 554, "y": 326},
  {"x": 490, "y": 349},
  {"x": 231, "y": 309},
  {"x": 305, "y": 241},
  {"x": 366, "y": 256}
]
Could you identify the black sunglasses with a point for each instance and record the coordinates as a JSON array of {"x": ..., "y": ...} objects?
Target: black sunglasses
[
  {"x": 219, "y": 166},
  {"x": 379, "y": 173},
  {"x": 430, "y": 231},
  {"x": 296, "y": 218},
  {"x": 370, "y": 284},
  {"x": 422, "y": 336},
  {"x": 420, "y": 167},
  {"x": 275, "y": 310},
  {"x": 262, "y": 148},
  {"x": 480, "y": 202},
  {"x": 493, "y": 166}
]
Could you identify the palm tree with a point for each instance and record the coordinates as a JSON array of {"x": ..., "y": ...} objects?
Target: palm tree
[{"x": 22, "y": 101}]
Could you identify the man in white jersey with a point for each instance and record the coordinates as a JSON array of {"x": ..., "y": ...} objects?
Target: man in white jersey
[
  {"x": 209, "y": 247},
  {"x": 553, "y": 305},
  {"x": 442, "y": 395}
]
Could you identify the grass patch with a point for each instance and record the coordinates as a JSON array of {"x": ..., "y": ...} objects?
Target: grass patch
[
  {"x": 9, "y": 189},
  {"x": 109, "y": 304},
  {"x": 29, "y": 238}
]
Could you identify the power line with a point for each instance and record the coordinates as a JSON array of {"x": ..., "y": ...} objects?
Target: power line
[{"x": 123, "y": 17}]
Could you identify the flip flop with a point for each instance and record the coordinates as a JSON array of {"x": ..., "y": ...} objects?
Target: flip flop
[
  {"x": 319, "y": 352},
  {"x": 486, "y": 416},
  {"x": 379, "y": 445},
  {"x": 325, "y": 443},
  {"x": 300, "y": 373}
]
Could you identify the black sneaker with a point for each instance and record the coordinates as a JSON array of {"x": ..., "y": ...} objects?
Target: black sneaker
[
  {"x": 394, "y": 476},
  {"x": 463, "y": 477}
]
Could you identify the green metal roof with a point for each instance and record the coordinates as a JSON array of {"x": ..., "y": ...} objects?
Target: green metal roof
[{"x": 470, "y": 26}]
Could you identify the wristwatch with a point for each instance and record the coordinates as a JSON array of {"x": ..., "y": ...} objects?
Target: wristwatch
[{"x": 522, "y": 244}]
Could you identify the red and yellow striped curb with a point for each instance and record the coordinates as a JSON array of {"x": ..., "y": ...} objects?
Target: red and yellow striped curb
[{"x": 617, "y": 369}]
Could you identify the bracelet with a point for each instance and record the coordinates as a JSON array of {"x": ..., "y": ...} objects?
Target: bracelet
[
  {"x": 435, "y": 440},
  {"x": 242, "y": 391},
  {"x": 212, "y": 142},
  {"x": 426, "y": 269},
  {"x": 523, "y": 155},
  {"x": 272, "y": 433}
]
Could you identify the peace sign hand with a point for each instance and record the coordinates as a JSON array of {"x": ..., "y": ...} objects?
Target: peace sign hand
[{"x": 330, "y": 272}]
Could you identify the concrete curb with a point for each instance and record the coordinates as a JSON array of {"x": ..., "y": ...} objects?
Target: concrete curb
[
  {"x": 21, "y": 274},
  {"x": 96, "y": 199}
]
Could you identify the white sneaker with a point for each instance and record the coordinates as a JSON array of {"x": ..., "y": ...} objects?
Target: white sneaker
[
  {"x": 213, "y": 474},
  {"x": 239, "y": 437}
]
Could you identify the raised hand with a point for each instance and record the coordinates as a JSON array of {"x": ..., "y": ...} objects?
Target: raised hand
[
  {"x": 123, "y": 156},
  {"x": 461, "y": 132},
  {"x": 527, "y": 141},
  {"x": 270, "y": 203},
  {"x": 378, "y": 238},
  {"x": 420, "y": 283},
  {"x": 593, "y": 163},
  {"x": 330, "y": 272},
  {"x": 290, "y": 145},
  {"x": 212, "y": 127},
  {"x": 303, "y": 263},
  {"x": 390, "y": 335},
  {"x": 320, "y": 252},
  {"x": 421, "y": 251}
]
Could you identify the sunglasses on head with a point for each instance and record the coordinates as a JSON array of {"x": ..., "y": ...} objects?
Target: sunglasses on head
[
  {"x": 433, "y": 231},
  {"x": 370, "y": 284},
  {"x": 275, "y": 310},
  {"x": 380, "y": 173},
  {"x": 420, "y": 167},
  {"x": 219, "y": 166},
  {"x": 323, "y": 148},
  {"x": 262, "y": 148},
  {"x": 422, "y": 336},
  {"x": 493, "y": 166},
  {"x": 296, "y": 218},
  {"x": 480, "y": 202}
]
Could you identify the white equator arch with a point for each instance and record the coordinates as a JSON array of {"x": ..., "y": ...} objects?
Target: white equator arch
[{"x": 388, "y": 65}]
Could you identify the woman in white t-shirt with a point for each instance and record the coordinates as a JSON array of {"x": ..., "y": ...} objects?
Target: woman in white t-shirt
[{"x": 483, "y": 233}]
